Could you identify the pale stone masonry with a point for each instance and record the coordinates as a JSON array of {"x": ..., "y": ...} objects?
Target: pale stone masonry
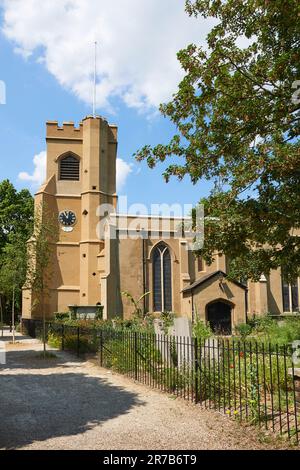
[{"x": 89, "y": 271}]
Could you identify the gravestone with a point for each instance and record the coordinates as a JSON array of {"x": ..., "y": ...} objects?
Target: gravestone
[
  {"x": 162, "y": 340},
  {"x": 211, "y": 350},
  {"x": 182, "y": 330},
  {"x": 179, "y": 337}
]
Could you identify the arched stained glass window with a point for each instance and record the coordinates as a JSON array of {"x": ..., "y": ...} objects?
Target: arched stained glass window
[{"x": 162, "y": 279}]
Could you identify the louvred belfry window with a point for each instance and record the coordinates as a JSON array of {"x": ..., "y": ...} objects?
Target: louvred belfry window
[
  {"x": 162, "y": 279},
  {"x": 69, "y": 168}
]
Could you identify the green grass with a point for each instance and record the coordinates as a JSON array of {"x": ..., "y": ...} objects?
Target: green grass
[{"x": 267, "y": 330}]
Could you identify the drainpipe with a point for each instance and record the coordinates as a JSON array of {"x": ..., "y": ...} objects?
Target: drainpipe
[{"x": 193, "y": 313}]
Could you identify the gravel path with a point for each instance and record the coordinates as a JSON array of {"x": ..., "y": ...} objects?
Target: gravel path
[{"x": 65, "y": 403}]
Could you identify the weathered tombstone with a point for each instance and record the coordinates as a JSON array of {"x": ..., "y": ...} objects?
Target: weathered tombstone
[
  {"x": 178, "y": 342},
  {"x": 162, "y": 340},
  {"x": 211, "y": 350},
  {"x": 182, "y": 326},
  {"x": 182, "y": 330}
]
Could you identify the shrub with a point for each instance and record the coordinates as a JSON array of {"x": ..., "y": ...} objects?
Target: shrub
[
  {"x": 170, "y": 378},
  {"x": 84, "y": 345},
  {"x": 268, "y": 330},
  {"x": 243, "y": 330},
  {"x": 167, "y": 321},
  {"x": 54, "y": 340},
  {"x": 119, "y": 352},
  {"x": 61, "y": 316},
  {"x": 262, "y": 324},
  {"x": 283, "y": 333},
  {"x": 99, "y": 313},
  {"x": 141, "y": 325},
  {"x": 201, "y": 331}
]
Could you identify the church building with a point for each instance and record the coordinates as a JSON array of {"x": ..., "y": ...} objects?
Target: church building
[{"x": 89, "y": 269}]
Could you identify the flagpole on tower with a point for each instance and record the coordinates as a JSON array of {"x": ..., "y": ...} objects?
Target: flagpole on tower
[{"x": 95, "y": 80}]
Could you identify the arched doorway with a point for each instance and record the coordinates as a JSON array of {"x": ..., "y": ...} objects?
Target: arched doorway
[{"x": 219, "y": 317}]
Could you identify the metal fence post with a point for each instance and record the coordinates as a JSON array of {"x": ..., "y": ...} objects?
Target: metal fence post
[
  {"x": 62, "y": 337},
  {"x": 101, "y": 349},
  {"x": 135, "y": 356},
  {"x": 78, "y": 340},
  {"x": 196, "y": 370},
  {"x": 296, "y": 393}
]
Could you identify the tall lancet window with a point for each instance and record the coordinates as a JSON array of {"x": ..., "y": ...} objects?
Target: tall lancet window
[
  {"x": 162, "y": 279},
  {"x": 69, "y": 168},
  {"x": 290, "y": 295}
]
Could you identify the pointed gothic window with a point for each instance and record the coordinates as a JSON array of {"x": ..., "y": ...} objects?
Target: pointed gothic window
[
  {"x": 290, "y": 295},
  {"x": 69, "y": 168},
  {"x": 162, "y": 279}
]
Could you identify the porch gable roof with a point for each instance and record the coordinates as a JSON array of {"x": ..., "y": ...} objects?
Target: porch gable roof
[{"x": 209, "y": 276}]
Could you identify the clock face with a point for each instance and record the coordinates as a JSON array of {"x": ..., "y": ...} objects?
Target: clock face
[{"x": 67, "y": 218}]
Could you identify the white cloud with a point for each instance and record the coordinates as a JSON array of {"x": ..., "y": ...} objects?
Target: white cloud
[
  {"x": 138, "y": 41},
  {"x": 39, "y": 172},
  {"x": 123, "y": 170},
  {"x": 38, "y": 175}
]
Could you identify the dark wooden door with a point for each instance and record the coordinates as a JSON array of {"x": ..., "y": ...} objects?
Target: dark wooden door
[{"x": 219, "y": 318}]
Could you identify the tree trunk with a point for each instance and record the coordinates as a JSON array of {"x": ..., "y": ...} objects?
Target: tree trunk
[
  {"x": 1, "y": 313},
  {"x": 13, "y": 314}
]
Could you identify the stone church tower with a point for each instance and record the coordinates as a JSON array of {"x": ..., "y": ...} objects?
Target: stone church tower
[{"x": 81, "y": 176}]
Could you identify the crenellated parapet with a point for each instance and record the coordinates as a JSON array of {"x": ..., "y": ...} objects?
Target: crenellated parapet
[
  {"x": 69, "y": 131},
  {"x": 66, "y": 131}
]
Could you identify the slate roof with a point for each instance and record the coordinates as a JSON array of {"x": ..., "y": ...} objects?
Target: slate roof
[{"x": 209, "y": 276}]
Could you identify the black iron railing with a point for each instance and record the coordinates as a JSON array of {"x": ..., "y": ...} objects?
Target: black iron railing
[{"x": 247, "y": 380}]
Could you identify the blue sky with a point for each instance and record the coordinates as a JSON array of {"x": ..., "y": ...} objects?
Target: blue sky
[{"x": 38, "y": 89}]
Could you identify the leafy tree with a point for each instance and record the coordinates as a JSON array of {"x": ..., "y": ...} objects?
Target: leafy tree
[
  {"x": 40, "y": 255},
  {"x": 237, "y": 117},
  {"x": 16, "y": 224},
  {"x": 12, "y": 275},
  {"x": 16, "y": 213}
]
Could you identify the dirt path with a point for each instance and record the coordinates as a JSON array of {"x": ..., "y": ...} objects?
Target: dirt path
[{"x": 65, "y": 403}]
